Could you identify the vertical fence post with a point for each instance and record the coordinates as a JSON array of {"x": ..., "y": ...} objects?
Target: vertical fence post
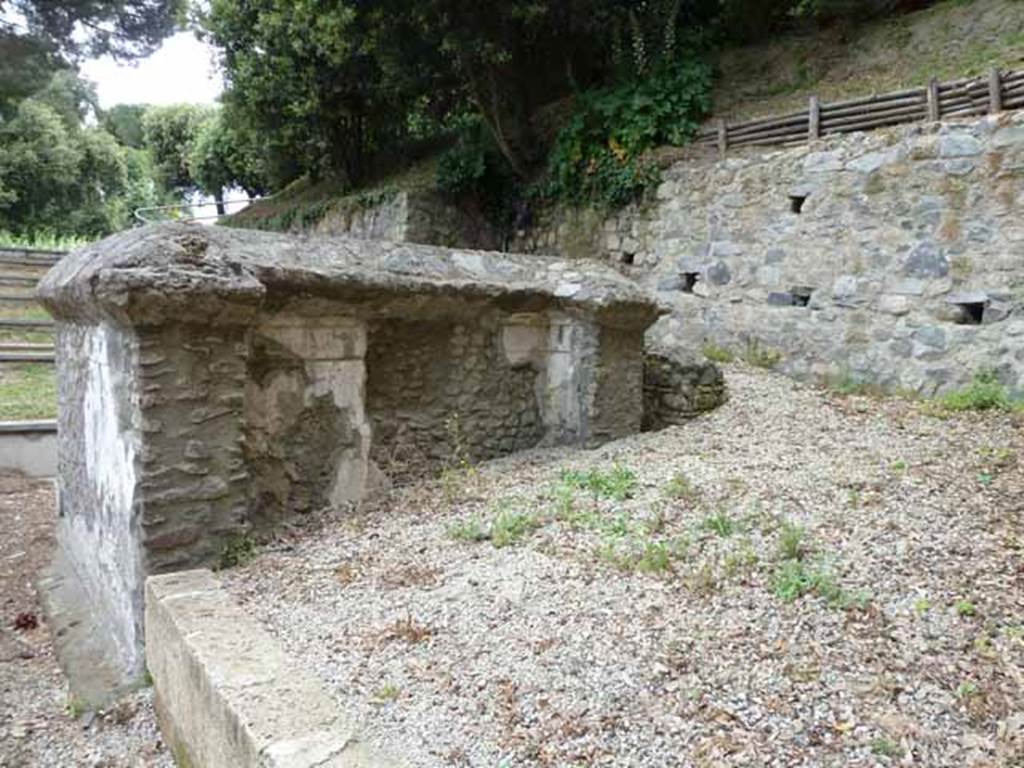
[
  {"x": 933, "y": 99},
  {"x": 723, "y": 136},
  {"x": 995, "y": 92},
  {"x": 814, "y": 119}
]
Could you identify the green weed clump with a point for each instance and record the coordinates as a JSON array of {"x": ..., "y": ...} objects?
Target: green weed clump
[
  {"x": 616, "y": 484},
  {"x": 984, "y": 393},
  {"x": 760, "y": 356},
  {"x": 717, "y": 354}
]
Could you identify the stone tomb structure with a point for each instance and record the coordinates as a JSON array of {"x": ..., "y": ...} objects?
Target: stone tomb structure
[{"x": 213, "y": 381}]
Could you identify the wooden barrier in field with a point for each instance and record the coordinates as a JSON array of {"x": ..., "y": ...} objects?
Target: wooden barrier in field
[{"x": 965, "y": 97}]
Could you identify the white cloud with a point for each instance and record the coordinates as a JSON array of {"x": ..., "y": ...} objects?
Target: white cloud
[{"x": 182, "y": 70}]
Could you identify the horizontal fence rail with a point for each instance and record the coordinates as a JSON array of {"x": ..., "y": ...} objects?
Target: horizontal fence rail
[{"x": 966, "y": 97}]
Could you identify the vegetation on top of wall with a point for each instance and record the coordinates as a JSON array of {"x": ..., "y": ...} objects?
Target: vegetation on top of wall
[{"x": 598, "y": 157}]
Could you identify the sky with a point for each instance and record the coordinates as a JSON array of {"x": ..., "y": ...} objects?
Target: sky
[{"x": 182, "y": 70}]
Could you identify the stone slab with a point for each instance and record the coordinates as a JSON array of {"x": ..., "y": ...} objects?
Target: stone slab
[
  {"x": 29, "y": 447},
  {"x": 227, "y": 695}
]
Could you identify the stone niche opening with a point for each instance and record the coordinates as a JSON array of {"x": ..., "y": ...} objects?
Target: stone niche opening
[
  {"x": 796, "y": 203},
  {"x": 969, "y": 312},
  {"x": 796, "y": 296},
  {"x": 688, "y": 281},
  {"x": 217, "y": 381}
]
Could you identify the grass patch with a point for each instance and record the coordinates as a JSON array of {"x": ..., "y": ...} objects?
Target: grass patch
[
  {"x": 506, "y": 527},
  {"x": 719, "y": 523},
  {"x": 679, "y": 487},
  {"x": 965, "y": 608},
  {"x": 885, "y": 747},
  {"x": 717, "y": 354},
  {"x": 760, "y": 356},
  {"x": 510, "y": 527},
  {"x": 795, "y": 578},
  {"x": 616, "y": 484},
  {"x": 28, "y": 391},
  {"x": 792, "y": 542},
  {"x": 472, "y": 529},
  {"x": 44, "y": 241}
]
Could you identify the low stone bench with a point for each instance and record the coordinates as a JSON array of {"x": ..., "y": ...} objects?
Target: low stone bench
[{"x": 226, "y": 694}]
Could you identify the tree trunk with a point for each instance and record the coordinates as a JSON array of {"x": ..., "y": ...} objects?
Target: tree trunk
[{"x": 218, "y": 198}]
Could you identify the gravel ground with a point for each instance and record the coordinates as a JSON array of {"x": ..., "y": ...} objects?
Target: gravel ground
[
  {"x": 37, "y": 727},
  {"x": 798, "y": 579}
]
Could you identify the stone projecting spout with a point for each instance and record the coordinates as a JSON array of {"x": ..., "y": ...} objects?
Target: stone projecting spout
[{"x": 215, "y": 381}]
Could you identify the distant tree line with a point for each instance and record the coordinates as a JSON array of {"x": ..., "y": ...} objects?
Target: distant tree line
[{"x": 70, "y": 168}]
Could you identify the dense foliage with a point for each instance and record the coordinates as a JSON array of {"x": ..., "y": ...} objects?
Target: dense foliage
[
  {"x": 61, "y": 176},
  {"x": 326, "y": 88}
]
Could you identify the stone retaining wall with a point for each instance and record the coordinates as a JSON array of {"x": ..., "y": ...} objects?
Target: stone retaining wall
[{"x": 894, "y": 257}]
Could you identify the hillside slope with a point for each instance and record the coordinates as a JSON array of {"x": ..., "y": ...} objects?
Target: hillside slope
[{"x": 951, "y": 39}]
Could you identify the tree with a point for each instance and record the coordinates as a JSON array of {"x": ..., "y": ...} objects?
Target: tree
[
  {"x": 170, "y": 133},
  {"x": 40, "y": 37},
  {"x": 58, "y": 178},
  {"x": 222, "y": 157},
  {"x": 124, "y": 123},
  {"x": 124, "y": 29}
]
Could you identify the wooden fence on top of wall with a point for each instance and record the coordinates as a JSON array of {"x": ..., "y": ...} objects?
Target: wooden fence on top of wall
[{"x": 965, "y": 97}]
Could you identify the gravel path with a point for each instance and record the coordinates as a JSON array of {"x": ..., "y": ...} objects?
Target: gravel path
[
  {"x": 798, "y": 579},
  {"x": 37, "y": 727}
]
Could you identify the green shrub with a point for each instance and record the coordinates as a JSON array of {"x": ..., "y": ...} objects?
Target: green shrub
[
  {"x": 984, "y": 393},
  {"x": 474, "y": 169},
  {"x": 598, "y": 156}
]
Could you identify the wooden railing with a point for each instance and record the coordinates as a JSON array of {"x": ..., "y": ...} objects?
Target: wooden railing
[{"x": 966, "y": 97}]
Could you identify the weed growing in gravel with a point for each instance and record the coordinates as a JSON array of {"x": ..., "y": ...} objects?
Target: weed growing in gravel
[
  {"x": 965, "y": 608},
  {"x": 468, "y": 530},
  {"x": 75, "y": 706},
  {"x": 679, "y": 487},
  {"x": 741, "y": 561},
  {"x": 616, "y": 484},
  {"x": 922, "y": 605},
  {"x": 509, "y": 526},
  {"x": 796, "y": 578},
  {"x": 238, "y": 550},
  {"x": 386, "y": 693},
  {"x": 760, "y": 356},
  {"x": 984, "y": 393},
  {"x": 458, "y": 470},
  {"x": 885, "y": 747},
  {"x": 898, "y": 467},
  {"x": 643, "y": 554},
  {"x": 407, "y": 630},
  {"x": 966, "y": 690},
  {"x": 719, "y": 523},
  {"x": 792, "y": 541},
  {"x": 717, "y": 354}
]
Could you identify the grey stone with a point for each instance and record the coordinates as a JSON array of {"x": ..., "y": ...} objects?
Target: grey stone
[
  {"x": 228, "y": 695},
  {"x": 823, "y": 162},
  {"x": 926, "y": 260},
  {"x": 959, "y": 145},
  {"x": 719, "y": 274},
  {"x": 774, "y": 256},
  {"x": 930, "y": 336}
]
